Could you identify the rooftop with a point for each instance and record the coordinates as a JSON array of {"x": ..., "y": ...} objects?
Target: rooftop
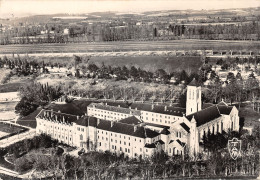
[
  {"x": 57, "y": 116},
  {"x": 131, "y": 120},
  {"x": 169, "y": 110},
  {"x": 210, "y": 113}
]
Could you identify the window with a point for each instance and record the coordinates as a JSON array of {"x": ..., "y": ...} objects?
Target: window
[
  {"x": 124, "y": 143},
  {"x": 112, "y": 146},
  {"x": 111, "y": 140},
  {"x": 140, "y": 149},
  {"x": 100, "y": 144},
  {"x": 129, "y": 144},
  {"x": 126, "y": 150},
  {"x": 120, "y": 148},
  {"x": 81, "y": 137}
]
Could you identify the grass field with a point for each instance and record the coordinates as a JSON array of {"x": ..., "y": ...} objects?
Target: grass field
[
  {"x": 250, "y": 116},
  {"x": 6, "y": 129},
  {"x": 152, "y": 63},
  {"x": 130, "y": 46}
]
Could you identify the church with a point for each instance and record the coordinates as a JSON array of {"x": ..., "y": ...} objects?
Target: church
[{"x": 139, "y": 129}]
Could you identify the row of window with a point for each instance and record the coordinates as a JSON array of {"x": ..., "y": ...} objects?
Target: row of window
[
  {"x": 115, "y": 135},
  {"x": 127, "y": 150}
]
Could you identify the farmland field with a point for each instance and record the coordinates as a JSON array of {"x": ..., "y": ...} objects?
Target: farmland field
[
  {"x": 152, "y": 63},
  {"x": 130, "y": 46}
]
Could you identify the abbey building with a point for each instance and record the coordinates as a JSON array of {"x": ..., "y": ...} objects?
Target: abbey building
[{"x": 138, "y": 129}]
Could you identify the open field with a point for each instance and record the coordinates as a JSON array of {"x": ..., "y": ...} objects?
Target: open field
[
  {"x": 129, "y": 46},
  {"x": 251, "y": 117},
  {"x": 6, "y": 128},
  {"x": 14, "y": 84},
  {"x": 152, "y": 63}
]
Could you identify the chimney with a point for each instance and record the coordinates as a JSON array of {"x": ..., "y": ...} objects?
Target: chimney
[
  {"x": 51, "y": 112},
  {"x": 63, "y": 118},
  {"x": 152, "y": 106},
  {"x": 77, "y": 117},
  {"x": 118, "y": 105},
  {"x": 44, "y": 113},
  {"x": 136, "y": 108},
  {"x": 106, "y": 103},
  {"x": 165, "y": 108},
  {"x": 56, "y": 117},
  {"x": 129, "y": 107},
  {"x": 135, "y": 128},
  {"x": 98, "y": 121}
]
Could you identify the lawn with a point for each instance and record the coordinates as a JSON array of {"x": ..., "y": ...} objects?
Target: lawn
[
  {"x": 9, "y": 128},
  {"x": 152, "y": 63},
  {"x": 251, "y": 117},
  {"x": 29, "y": 120},
  {"x": 10, "y": 87}
]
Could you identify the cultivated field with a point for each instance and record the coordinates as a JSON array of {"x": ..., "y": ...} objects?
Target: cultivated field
[{"x": 130, "y": 46}]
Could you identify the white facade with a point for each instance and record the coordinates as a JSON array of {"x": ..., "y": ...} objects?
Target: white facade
[{"x": 193, "y": 102}]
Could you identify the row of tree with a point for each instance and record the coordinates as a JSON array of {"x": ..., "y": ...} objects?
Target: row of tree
[{"x": 115, "y": 32}]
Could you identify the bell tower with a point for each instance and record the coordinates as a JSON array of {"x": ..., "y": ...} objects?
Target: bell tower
[{"x": 193, "y": 98}]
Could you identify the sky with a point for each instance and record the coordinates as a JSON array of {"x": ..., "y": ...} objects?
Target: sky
[{"x": 30, "y": 7}]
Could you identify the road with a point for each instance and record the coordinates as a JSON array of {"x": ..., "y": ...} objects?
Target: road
[{"x": 129, "y": 46}]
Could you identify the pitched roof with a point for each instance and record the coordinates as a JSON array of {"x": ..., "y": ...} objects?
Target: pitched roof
[
  {"x": 181, "y": 143},
  {"x": 178, "y": 141},
  {"x": 150, "y": 145},
  {"x": 169, "y": 110},
  {"x": 111, "y": 107},
  {"x": 225, "y": 109},
  {"x": 159, "y": 142},
  {"x": 157, "y": 125},
  {"x": 185, "y": 127},
  {"x": 205, "y": 115},
  {"x": 194, "y": 82},
  {"x": 165, "y": 131},
  {"x": 87, "y": 121},
  {"x": 222, "y": 103},
  {"x": 57, "y": 116},
  {"x": 127, "y": 129},
  {"x": 131, "y": 120}
]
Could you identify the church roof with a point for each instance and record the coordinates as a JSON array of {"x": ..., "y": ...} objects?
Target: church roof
[
  {"x": 225, "y": 109},
  {"x": 205, "y": 115},
  {"x": 208, "y": 114}
]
